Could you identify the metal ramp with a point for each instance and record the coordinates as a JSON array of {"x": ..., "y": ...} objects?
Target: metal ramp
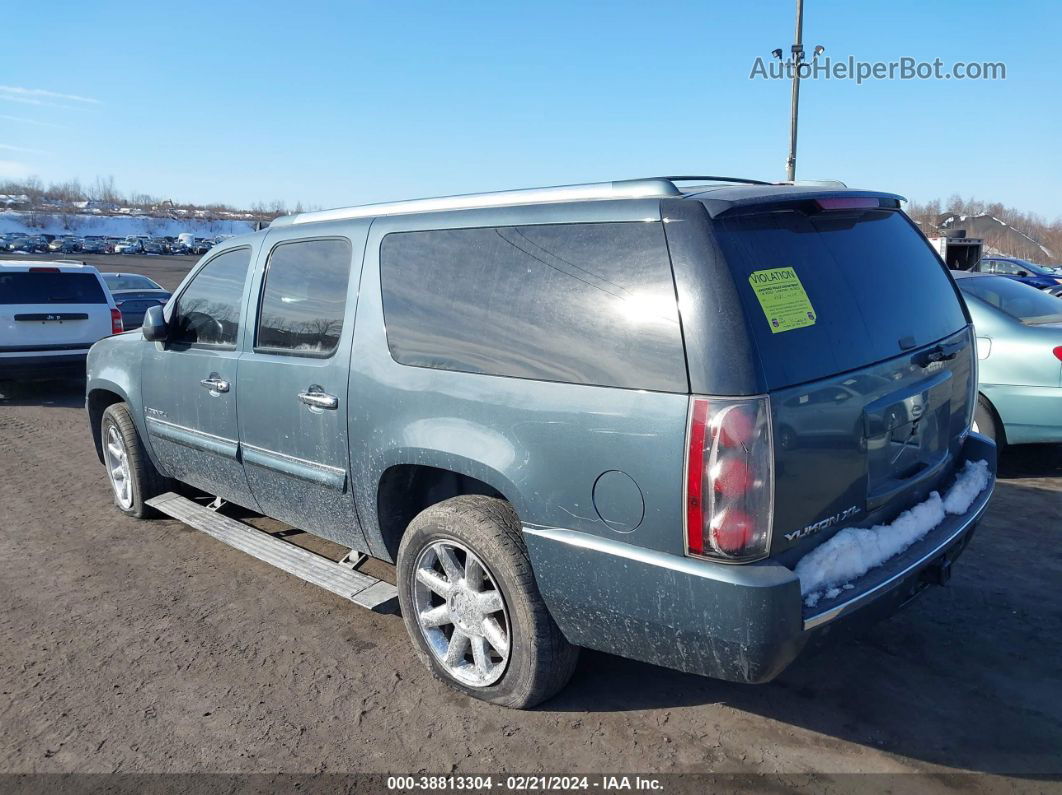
[{"x": 342, "y": 580}]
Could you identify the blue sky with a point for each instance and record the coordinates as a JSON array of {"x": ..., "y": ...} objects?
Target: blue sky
[{"x": 345, "y": 103}]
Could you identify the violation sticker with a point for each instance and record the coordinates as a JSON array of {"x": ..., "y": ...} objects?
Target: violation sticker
[{"x": 783, "y": 299}]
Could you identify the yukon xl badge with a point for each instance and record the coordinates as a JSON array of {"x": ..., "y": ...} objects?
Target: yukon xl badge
[{"x": 829, "y": 521}]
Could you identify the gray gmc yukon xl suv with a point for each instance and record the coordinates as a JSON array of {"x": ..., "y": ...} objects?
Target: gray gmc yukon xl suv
[{"x": 615, "y": 415}]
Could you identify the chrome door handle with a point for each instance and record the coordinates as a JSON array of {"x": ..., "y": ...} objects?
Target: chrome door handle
[
  {"x": 215, "y": 384},
  {"x": 317, "y": 398}
]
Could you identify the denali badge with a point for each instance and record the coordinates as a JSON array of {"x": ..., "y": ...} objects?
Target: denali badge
[{"x": 829, "y": 521}]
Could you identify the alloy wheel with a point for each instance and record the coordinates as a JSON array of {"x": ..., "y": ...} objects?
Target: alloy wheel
[
  {"x": 461, "y": 613},
  {"x": 118, "y": 471}
]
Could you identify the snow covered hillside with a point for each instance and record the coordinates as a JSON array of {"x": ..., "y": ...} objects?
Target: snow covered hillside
[{"x": 116, "y": 225}]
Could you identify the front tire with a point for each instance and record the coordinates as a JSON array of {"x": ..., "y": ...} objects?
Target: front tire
[
  {"x": 472, "y": 607},
  {"x": 131, "y": 473}
]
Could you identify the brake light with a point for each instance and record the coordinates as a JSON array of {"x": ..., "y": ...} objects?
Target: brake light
[
  {"x": 1058, "y": 353},
  {"x": 847, "y": 203},
  {"x": 117, "y": 326},
  {"x": 729, "y": 478},
  {"x": 43, "y": 270}
]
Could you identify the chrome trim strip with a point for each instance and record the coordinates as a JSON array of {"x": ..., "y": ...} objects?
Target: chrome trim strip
[
  {"x": 846, "y": 607},
  {"x": 751, "y": 575},
  {"x": 310, "y": 471},
  {"x": 190, "y": 437}
]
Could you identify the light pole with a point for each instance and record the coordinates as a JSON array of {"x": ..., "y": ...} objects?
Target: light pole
[{"x": 797, "y": 56}]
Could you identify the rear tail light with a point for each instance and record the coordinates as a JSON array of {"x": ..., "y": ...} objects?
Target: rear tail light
[
  {"x": 116, "y": 322},
  {"x": 729, "y": 478}
]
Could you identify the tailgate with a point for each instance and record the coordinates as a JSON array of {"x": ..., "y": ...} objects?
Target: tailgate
[
  {"x": 867, "y": 355},
  {"x": 858, "y": 448},
  {"x": 51, "y": 308},
  {"x": 29, "y": 327}
]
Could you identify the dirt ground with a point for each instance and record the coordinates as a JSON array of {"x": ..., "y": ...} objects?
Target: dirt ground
[{"x": 149, "y": 647}]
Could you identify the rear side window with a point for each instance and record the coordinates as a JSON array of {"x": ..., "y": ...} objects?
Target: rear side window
[
  {"x": 304, "y": 297},
  {"x": 208, "y": 311},
  {"x": 874, "y": 289},
  {"x": 51, "y": 288},
  {"x": 578, "y": 303}
]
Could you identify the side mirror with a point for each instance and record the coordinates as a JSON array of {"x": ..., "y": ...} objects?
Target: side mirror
[
  {"x": 1023, "y": 274},
  {"x": 154, "y": 325}
]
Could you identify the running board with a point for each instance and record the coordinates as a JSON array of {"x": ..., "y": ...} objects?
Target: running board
[{"x": 361, "y": 589}]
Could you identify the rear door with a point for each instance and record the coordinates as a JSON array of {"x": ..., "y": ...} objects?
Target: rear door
[
  {"x": 293, "y": 396},
  {"x": 45, "y": 309},
  {"x": 190, "y": 382},
  {"x": 867, "y": 356}
]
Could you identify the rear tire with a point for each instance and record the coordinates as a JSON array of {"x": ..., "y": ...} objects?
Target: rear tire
[
  {"x": 987, "y": 423},
  {"x": 133, "y": 477},
  {"x": 476, "y": 583}
]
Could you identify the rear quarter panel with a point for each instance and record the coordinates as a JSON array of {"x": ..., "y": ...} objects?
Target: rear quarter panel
[{"x": 542, "y": 445}]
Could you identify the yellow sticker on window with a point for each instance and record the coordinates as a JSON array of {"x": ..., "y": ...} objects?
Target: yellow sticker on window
[{"x": 783, "y": 299}]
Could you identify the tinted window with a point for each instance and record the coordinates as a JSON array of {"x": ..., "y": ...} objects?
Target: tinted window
[
  {"x": 208, "y": 311},
  {"x": 580, "y": 303},
  {"x": 1020, "y": 301},
  {"x": 874, "y": 287},
  {"x": 50, "y": 288},
  {"x": 305, "y": 296}
]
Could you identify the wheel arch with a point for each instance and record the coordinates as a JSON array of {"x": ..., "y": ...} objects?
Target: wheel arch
[
  {"x": 410, "y": 485},
  {"x": 97, "y": 399},
  {"x": 1001, "y": 428}
]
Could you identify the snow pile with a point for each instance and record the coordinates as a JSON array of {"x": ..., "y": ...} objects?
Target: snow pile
[{"x": 854, "y": 551}]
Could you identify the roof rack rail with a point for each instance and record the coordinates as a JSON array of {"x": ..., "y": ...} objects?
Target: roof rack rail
[
  {"x": 654, "y": 187},
  {"x": 737, "y": 180},
  {"x": 815, "y": 183}
]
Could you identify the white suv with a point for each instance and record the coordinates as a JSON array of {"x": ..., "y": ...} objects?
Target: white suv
[{"x": 50, "y": 315}]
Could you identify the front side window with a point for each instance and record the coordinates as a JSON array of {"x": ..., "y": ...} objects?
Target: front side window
[
  {"x": 304, "y": 297},
  {"x": 208, "y": 311}
]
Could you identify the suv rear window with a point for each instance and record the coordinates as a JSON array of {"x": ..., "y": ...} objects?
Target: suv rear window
[
  {"x": 50, "y": 288},
  {"x": 874, "y": 286}
]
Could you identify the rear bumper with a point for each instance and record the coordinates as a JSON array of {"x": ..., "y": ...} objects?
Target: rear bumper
[
  {"x": 738, "y": 623},
  {"x": 39, "y": 365}
]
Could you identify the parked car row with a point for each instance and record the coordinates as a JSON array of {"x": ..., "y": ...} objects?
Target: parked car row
[{"x": 99, "y": 244}]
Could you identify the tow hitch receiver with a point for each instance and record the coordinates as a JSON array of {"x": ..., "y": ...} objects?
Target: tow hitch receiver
[{"x": 938, "y": 572}]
